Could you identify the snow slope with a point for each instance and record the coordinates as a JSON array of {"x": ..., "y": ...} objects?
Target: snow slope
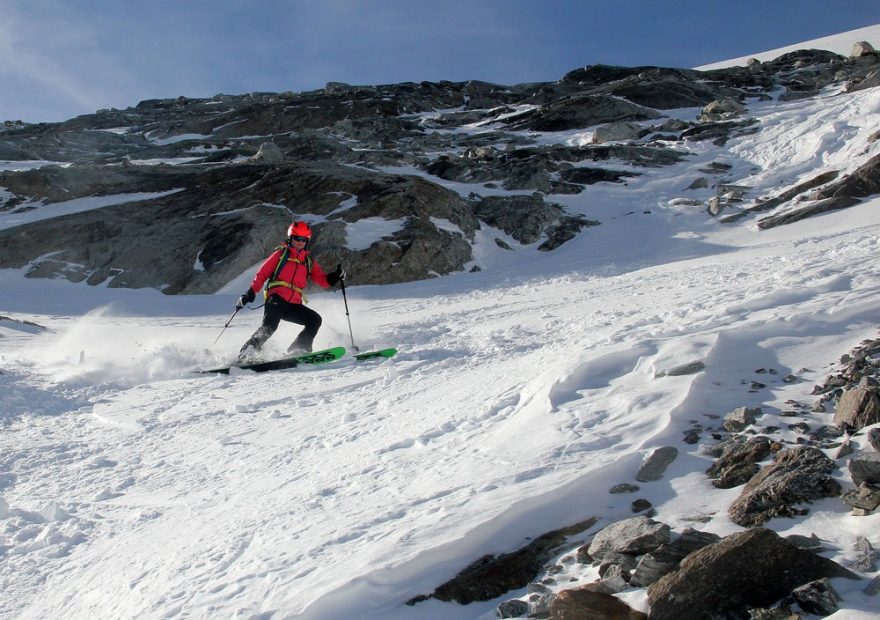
[
  {"x": 838, "y": 43},
  {"x": 134, "y": 488}
]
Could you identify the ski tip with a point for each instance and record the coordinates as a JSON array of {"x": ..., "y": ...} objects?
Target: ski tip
[{"x": 380, "y": 353}]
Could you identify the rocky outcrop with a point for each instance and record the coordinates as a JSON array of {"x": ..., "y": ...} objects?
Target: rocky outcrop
[{"x": 234, "y": 194}]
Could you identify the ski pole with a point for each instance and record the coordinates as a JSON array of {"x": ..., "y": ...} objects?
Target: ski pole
[
  {"x": 225, "y": 326},
  {"x": 348, "y": 316}
]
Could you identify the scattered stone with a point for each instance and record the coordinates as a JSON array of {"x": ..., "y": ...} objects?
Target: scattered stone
[
  {"x": 633, "y": 536},
  {"x": 624, "y": 488},
  {"x": 864, "y": 467},
  {"x": 817, "y": 597},
  {"x": 641, "y": 505},
  {"x": 874, "y": 438},
  {"x": 512, "y": 609},
  {"x": 656, "y": 464},
  {"x": 687, "y": 369},
  {"x": 738, "y": 419}
]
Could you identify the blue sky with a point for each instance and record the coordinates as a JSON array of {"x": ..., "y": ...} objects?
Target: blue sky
[{"x": 61, "y": 58}]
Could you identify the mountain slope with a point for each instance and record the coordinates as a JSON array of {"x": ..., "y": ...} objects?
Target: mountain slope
[{"x": 522, "y": 393}]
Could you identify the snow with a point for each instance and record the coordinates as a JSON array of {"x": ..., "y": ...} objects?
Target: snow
[
  {"x": 37, "y": 211},
  {"x": 131, "y": 486},
  {"x": 839, "y": 44}
]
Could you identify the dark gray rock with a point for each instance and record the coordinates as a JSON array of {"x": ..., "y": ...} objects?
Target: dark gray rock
[
  {"x": 666, "y": 558},
  {"x": 579, "y": 112},
  {"x": 796, "y": 477},
  {"x": 754, "y": 568},
  {"x": 656, "y": 465},
  {"x": 865, "y": 467},
  {"x": 740, "y": 418},
  {"x": 858, "y": 408},
  {"x": 512, "y": 609},
  {"x": 491, "y": 576},
  {"x": 817, "y": 597},
  {"x": 738, "y": 462},
  {"x": 633, "y": 536}
]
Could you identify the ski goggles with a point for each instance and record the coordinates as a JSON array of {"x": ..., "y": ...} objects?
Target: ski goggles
[{"x": 300, "y": 239}]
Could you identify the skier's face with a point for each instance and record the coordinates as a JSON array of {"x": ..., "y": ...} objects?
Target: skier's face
[{"x": 299, "y": 242}]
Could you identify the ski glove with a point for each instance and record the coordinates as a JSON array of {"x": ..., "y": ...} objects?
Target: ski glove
[
  {"x": 336, "y": 276},
  {"x": 245, "y": 299}
]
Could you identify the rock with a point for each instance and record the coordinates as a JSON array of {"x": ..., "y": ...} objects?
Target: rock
[
  {"x": 721, "y": 110},
  {"x": 864, "y": 497},
  {"x": 797, "y": 476},
  {"x": 585, "y": 604},
  {"x": 512, "y": 609},
  {"x": 864, "y": 467},
  {"x": 738, "y": 462},
  {"x": 666, "y": 558},
  {"x": 269, "y": 153},
  {"x": 865, "y": 555},
  {"x": 656, "y": 464},
  {"x": 874, "y": 438},
  {"x": 687, "y": 369},
  {"x": 858, "y": 408},
  {"x": 738, "y": 419},
  {"x": 633, "y": 536},
  {"x": 822, "y": 206},
  {"x": 754, "y": 568},
  {"x": 580, "y": 111},
  {"x": 491, "y": 576},
  {"x": 525, "y": 218},
  {"x": 860, "y": 48},
  {"x": 624, "y": 488},
  {"x": 640, "y": 505},
  {"x": 817, "y": 597},
  {"x": 620, "y": 131}
]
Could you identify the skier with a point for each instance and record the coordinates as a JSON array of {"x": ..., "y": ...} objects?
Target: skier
[{"x": 286, "y": 273}]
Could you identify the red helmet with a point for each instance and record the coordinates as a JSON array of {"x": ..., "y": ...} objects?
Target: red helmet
[{"x": 299, "y": 229}]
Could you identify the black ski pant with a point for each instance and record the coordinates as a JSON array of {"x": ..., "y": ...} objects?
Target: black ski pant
[{"x": 277, "y": 310}]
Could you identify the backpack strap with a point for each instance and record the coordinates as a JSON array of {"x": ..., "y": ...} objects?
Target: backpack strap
[{"x": 274, "y": 281}]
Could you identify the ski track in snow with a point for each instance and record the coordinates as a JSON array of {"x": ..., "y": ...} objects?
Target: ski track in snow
[{"x": 133, "y": 488}]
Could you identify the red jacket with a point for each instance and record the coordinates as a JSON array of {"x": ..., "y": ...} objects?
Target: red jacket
[{"x": 295, "y": 273}]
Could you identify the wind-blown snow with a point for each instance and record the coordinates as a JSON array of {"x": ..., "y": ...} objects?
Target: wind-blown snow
[
  {"x": 838, "y": 43},
  {"x": 132, "y": 487}
]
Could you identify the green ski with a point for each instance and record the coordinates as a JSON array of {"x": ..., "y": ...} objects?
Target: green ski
[
  {"x": 374, "y": 354},
  {"x": 315, "y": 357}
]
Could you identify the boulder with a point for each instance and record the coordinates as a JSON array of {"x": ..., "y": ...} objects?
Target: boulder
[
  {"x": 797, "y": 476},
  {"x": 738, "y": 462},
  {"x": 653, "y": 468},
  {"x": 754, "y": 568},
  {"x": 621, "y": 131},
  {"x": 740, "y": 418},
  {"x": 588, "y": 604},
  {"x": 633, "y": 536},
  {"x": 666, "y": 558},
  {"x": 864, "y": 467},
  {"x": 722, "y": 110},
  {"x": 857, "y": 408},
  {"x": 860, "y": 48}
]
